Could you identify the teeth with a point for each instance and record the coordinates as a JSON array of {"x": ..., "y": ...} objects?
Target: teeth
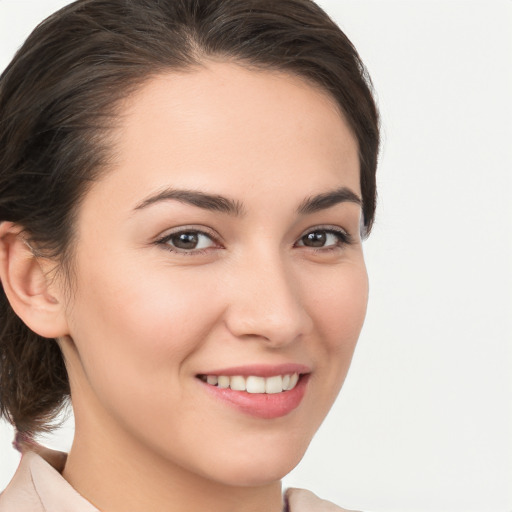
[
  {"x": 222, "y": 382},
  {"x": 293, "y": 380},
  {"x": 274, "y": 384},
  {"x": 212, "y": 379},
  {"x": 254, "y": 384},
  {"x": 237, "y": 383}
]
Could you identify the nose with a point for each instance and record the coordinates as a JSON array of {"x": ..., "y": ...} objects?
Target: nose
[{"x": 265, "y": 302}]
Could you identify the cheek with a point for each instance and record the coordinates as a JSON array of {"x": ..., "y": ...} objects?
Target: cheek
[
  {"x": 338, "y": 308},
  {"x": 338, "y": 305},
  {"x": 137, "y": 324},
  {"x": 136, "y": 335}
]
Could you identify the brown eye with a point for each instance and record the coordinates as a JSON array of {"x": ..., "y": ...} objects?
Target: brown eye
[
  {"x": 185, "y": 240},
  {"x": 324, "y": 238},
  {"x": 188, "y": 241},
  {"x": 315, "y": 239}
]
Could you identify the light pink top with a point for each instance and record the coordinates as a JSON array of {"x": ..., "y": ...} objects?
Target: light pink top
[{"x": 38, "y": 486}]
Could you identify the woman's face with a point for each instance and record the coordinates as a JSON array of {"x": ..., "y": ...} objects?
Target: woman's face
[{"x": 221, "y": 249}]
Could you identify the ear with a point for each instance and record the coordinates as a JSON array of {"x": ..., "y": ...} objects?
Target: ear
[{"x": 31, "y": 291}]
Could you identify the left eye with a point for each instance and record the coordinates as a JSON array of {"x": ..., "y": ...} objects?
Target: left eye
[
  {"x": 188, "y": 240},
  {"x": 323, "y": 238}
]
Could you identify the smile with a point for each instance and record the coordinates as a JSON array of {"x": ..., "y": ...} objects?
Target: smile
[
  {"x": 261, "y": 391},
  {"x": 253, "y": 383}
]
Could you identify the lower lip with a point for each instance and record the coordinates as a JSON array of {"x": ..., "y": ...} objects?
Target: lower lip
[{"x": 262, "y": 405}]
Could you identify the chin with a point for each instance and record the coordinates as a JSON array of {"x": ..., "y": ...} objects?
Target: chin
[{"x": 251, "y": 471}]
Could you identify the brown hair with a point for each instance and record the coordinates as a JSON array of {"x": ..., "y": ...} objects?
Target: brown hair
[{"x": 58, "y": 97}]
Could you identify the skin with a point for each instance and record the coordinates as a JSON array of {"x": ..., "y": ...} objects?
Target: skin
[{"x": 144, "y": 320}]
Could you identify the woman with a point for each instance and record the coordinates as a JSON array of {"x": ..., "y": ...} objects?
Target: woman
[{"x": 184, "y": 189}]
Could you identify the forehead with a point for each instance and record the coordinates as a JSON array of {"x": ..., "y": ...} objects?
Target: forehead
[{"x": 235, "y": 126}]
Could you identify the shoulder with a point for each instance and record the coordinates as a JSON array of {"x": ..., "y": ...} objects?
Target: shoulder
[
  {"x": 38, "y": 486},
  {"x": 301, "y": 500},
  {"x": 20, "y": 495}
]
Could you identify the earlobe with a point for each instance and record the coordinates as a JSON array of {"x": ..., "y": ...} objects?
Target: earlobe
[{"x": 28, "y": 286}]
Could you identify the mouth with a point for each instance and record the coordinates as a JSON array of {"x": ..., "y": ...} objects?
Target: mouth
[
  {"x": 253, "y": 383},
  {"x": 262, "y": 392}
]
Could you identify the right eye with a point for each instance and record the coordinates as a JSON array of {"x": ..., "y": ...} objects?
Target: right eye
[{"x": 187, "y": 241}]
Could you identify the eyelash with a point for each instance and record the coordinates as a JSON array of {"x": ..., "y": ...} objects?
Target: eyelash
[
  {"x": 344, "y": 239},
  {"x": 192, "y": 252}
]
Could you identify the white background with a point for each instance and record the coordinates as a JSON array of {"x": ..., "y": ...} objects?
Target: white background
[{"x": 424, "y": 422}]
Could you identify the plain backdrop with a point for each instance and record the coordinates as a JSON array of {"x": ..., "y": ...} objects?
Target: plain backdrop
[{"x": 424, "y": 422}]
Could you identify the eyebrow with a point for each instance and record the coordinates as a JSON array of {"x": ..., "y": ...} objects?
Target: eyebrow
[
  {"x": 212, "y": 202},
  {"x": 218, "y": 203},
  {"x": 327, "y": 200}
]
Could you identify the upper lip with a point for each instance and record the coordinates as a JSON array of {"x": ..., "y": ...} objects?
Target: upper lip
[{"x": 260, "y": 370}]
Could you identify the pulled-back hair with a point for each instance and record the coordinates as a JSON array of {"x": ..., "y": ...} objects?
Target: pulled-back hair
[{"x": 58, "y": 100}]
